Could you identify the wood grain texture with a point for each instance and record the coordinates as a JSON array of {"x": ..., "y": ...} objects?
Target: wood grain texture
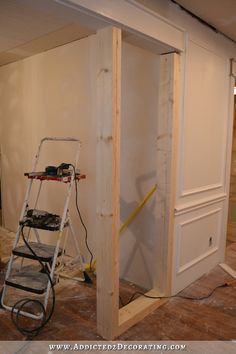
[
  {"x": 108, "y": 179},
  {"x": 231, "y": 230},
  {"x": 137, "y": 310},
  {"x": 168, "y": 120}
]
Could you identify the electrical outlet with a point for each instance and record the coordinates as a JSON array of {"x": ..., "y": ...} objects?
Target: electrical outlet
[{"x": 210, "y": 241}]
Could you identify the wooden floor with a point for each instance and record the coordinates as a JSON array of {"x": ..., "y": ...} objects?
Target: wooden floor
[{"x": 179, "y": 319}]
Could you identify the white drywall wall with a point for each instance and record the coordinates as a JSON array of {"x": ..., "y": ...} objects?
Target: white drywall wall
[
  {"x": 50, "y": 94},
  {"x": 138, "y": 243}
]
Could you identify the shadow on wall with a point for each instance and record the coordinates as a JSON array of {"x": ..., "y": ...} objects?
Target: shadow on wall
[{"x": 139, "y": 241}]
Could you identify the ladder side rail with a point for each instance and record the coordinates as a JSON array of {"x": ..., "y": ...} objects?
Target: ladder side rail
[
  {"x": 61, "y": 265},
  {"x": 36, "y": 233},
  {"x": 18, "y": 232},
  {"x": 55, "y": 139},
  {"x": 17, "y": 237},
  {"x": 64, "y": 215},
  {"x": 38, "y": 194},
  {"x": 62, "y": 139},
  {"x": 52, "y": 269},
  {"x": 36, "y": 158},
  {"x": 67, "y": 201},
  {"x": 79, "y": 256},
  {"x": 35, "y": 206}
]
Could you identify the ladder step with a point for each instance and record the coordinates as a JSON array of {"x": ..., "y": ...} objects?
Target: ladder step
[
  {"x": 33, "y": 281},
  {"x": 41, "y": 219},
  {"x": 44, "y": 252}
]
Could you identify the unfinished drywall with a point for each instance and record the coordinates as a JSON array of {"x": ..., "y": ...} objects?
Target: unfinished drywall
[
  {"x": 139, "y": 241},
  {"x": 50, "y": 94}
]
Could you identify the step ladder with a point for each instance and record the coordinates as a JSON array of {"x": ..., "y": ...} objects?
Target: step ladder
[{"x": 33, "y": 280}]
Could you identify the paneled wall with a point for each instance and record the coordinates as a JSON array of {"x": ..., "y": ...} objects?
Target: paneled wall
[
  {"x": 204, "y": 131},
  {"x": 198, "y": 242},
  {"x": 201, "y": 179},
  {"x": 203, "y": 154}
]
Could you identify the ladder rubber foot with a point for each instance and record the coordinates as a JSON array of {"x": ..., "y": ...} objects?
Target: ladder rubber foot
[{"x": 87, "y": 278}]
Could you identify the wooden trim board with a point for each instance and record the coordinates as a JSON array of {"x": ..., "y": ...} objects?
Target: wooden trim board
[{"x": 228, "y": 270}]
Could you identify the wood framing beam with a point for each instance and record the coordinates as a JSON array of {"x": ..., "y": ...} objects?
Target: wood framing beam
[
  {"x": 174, "y": 103},
  {"x": 137, "y": 310},
  {"x": 108, "y": 179},
  {"x": 167, "y": 143},
  {"x": 132, "y": 16}
]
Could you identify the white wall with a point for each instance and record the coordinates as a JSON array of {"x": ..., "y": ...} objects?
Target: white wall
[
  {"x": 50, "y": 94},
  {"x": 53, "y": 94},
  {"x": 139, "y": 112}
]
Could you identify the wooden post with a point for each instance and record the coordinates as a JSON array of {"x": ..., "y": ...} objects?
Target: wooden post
[
  {"x": 166, "y": 163},
  {"x": 108, "y": 179},
  {"x": 172, "y": 167}
]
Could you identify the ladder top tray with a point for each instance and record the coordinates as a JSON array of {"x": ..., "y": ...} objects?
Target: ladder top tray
[{"x": 42, "y": 176}]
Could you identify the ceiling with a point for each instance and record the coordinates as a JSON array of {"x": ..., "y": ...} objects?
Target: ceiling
[
  {"x": 221, "y": 14},
  {"x": 28, "y": 27}
]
